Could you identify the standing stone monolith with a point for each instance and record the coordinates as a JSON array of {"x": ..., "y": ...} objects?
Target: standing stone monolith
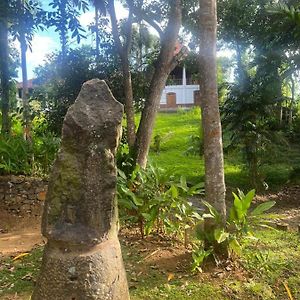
[{"x": 82, "y": 258}]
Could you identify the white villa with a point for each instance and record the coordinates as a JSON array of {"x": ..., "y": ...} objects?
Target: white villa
[{"x": 180, "y": 94}]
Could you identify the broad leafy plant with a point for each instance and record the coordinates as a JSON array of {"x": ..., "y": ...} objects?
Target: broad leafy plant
[
  {"x": 229, "y": 236},
  {"x": 154, "y": 200},
  {"x": 18, "y": 156}
]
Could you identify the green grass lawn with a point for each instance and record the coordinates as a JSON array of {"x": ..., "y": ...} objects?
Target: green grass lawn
[{"x": 175, "y": 130}]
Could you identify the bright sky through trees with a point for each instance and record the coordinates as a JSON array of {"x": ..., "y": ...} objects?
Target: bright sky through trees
[{"x": 47, "y": 41}]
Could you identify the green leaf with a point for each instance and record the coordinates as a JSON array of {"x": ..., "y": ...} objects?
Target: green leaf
[
  {"x": 146, "y": 216},
  {"x": 238, "y": 205},
  {"x": 197, "y": 189},
  {"x": 179, "y": 217},
  {"x": 198, "y": 258},
  {"x": 213, "y": 211},
  {"x": 260, "y": 209},
  {"x": 207, "y": 216},
  {"x": 196, "y": 215},
  {"x": 135, "y": 200},
  {"x": 122, "y": 174},
  {"x": 124, "y": 202},
  {"x": 220, "y": 235},
  {"x": 235, "y": 247},
  {"x": 246, "y": 200},
  {"x": 183, "y": 184},
  {"x": 241, "y": 194},
  {"x": 174, "y": 191}
]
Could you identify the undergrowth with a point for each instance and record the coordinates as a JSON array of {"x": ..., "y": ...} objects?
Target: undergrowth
[{"x": 267, "y": 266}]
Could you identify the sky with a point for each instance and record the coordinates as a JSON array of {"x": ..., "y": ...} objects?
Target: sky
[{"x": 45, "y": 42}]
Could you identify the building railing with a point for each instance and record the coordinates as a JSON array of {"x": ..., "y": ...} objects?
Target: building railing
[{"x": 189, "y": 81}]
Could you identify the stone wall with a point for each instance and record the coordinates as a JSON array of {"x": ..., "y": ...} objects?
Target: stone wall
[{"x": 22, "y": 195}]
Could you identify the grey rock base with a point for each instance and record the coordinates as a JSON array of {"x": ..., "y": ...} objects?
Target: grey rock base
[{"x": 78, "y": 274}]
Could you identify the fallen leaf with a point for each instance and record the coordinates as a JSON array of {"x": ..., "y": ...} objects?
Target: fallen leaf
[
  {"x": 20, "y": 256},
  {"x": 41, "y": 196},
  {"x": 171, "y": 276},
  {"x": 288, "y": 291}
]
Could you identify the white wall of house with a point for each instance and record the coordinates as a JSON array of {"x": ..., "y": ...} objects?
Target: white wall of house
[{"x": 184, "y": 93}]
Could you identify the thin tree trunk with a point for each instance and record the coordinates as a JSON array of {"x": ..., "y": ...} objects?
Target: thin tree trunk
[
  {"x": 97, "y": 32},
  {"x": 292, "y": 103},
  {"x": 25, "y": 87},
  {"x": 23, "y": 47},
  {"x": 213, "y": 148},
  {"x": 4, "y": 68},
  {"x": 63, "y": 32},
  {"x": 129, "y": 108},
  {"x": 124, "y": 52},
  {"x": 240, "y": 66},
  {"x": 165, "y": 64},
  {"x": 145, "y": 129}
]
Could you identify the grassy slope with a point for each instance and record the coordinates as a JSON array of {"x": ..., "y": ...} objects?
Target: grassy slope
[{"x": 175, "y": 130}]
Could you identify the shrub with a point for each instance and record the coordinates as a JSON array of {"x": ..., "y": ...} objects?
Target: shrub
[
  {"x": 15, "y": 155},
  {"x": 196, "y": 146},
  {"x": 159, "y": 140},
  {"x": 228, "y": 236},
  {"x": 152, "y": 199},
  {"x": 35, "y": 157},
  {"x": 44, "y": 149}
]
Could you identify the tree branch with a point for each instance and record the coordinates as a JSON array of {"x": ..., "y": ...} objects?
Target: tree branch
[
  {"x": 170, "y": 35},
  {"x": 128, "y": 34},
  {"x": 143, "y": 15},
  {"x": 114, "y": 26}
]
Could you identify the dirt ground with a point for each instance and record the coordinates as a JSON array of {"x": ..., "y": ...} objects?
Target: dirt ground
[{"x": 21, "y": 232}]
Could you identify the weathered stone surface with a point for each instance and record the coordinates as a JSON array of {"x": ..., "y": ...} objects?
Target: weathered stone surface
[
  {"x": 83, "y": 275},
  {"x": 82, "y": 259}
]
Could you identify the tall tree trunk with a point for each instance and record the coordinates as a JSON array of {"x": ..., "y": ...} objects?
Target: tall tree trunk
[
  {"x": 63, "y": 33},
  {"x": 145, "y": 129},
  {"x": 240, "y": 66},
  {"x": 213, "y": 148},
  {"x": 25, "y": 87},
  {"x": 124, "y": 52},
  {"x": 97, "y": 31},
  {"x": 129, "y": 107},
  {"x": 4, "y": 68},
  {"x": 165, "y": 64},
  {"x": 25, "y": 95},
  {"x": 280, "y": 114},
  {"x": 292, "y": 103}
]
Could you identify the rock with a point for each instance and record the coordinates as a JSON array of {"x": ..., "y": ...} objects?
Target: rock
[
  {"x": 39, "y": 189},
  {"x": 7, "y": 197},
  {"x": 26, "y": 207},
  {"x": 17, "y": 179},
  {"x": 80, "y": 212},
  {"x": 41, "y": 196}
]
